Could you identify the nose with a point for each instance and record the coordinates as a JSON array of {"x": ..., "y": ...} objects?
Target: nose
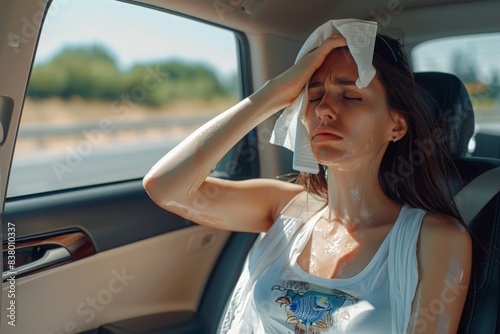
[{"x": 326, "y": 108}]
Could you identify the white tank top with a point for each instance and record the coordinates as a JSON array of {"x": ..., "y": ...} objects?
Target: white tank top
[{"x": 277, "y": 296}]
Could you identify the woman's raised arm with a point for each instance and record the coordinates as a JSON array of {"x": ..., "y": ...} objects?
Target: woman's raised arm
[{"x": 179, "y": 182}]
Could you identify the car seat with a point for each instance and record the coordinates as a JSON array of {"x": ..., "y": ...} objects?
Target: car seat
[{"x": 451, "y": 106}]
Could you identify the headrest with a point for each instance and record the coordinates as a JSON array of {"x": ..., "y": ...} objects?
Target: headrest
[{"x": 451, "y": 106}]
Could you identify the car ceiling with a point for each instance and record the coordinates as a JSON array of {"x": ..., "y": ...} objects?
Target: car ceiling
[{"x": 419, "y": 20}]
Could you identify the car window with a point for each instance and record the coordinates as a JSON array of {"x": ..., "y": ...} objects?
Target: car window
[
  {"x": 474, "y": 59},
  {"x": 114, "y": 87}
]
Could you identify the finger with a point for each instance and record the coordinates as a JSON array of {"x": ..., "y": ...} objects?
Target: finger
[
  {"x": 328, "y": 45},
  {"x": 332, "y": 42}
]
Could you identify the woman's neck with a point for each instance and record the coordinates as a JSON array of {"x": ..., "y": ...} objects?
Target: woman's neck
[{"x": 356, "y": 198}]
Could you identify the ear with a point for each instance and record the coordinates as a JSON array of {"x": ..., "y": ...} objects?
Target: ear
[{"x": 399, "y": 126}]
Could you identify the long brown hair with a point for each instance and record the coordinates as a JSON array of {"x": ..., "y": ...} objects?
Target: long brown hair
[{"x": 415, "y": 169}]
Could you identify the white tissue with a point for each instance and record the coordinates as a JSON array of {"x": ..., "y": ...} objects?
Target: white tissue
[{"x": 289, "y": 130}]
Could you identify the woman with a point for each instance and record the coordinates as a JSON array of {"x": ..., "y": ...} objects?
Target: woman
[{"x": 356, "y": 248}]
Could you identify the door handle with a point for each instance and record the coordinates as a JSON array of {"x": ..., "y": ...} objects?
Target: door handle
[
  {"x": 35, "y": 254},
  {"x": 50, "y": 257}
]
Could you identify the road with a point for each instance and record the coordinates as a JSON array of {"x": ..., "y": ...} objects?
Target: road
[{"x": 45, "y": 172}]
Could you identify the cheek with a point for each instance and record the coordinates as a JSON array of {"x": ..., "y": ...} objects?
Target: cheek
[
  {"x": 365, "y": 126},
  {"x": 368, "y": 131}
]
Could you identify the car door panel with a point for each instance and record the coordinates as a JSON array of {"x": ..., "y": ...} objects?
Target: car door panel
[
  {"x": 112, "y": 215},
  {"x": 141, "y": 278}
]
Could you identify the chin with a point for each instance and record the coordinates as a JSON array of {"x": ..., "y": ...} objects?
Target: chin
[{"x": 329, "y": 156}]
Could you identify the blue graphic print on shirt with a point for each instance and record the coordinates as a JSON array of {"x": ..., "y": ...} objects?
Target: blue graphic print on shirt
[{"x": 311, "y": 308}]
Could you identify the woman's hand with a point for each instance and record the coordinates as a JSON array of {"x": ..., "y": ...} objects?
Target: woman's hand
[{"x": 290, "y": 83}]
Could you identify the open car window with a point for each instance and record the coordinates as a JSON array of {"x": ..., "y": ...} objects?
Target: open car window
[{"x": 105, "y": 104}]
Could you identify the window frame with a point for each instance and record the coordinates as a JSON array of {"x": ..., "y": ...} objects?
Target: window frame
[{"x": 234, "y": 156}]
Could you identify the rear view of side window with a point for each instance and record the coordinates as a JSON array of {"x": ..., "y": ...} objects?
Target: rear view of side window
[
  {"x": 474, "y": 59},
  {"x": 114, "y": 87}
]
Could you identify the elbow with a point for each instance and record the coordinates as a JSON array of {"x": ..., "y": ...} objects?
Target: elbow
[
  {"x": 147, "y": 182},
  {"x": 168, "y": 197},
  {"x": 150, "y": 185},
  {"x": 162, "y": 197}
]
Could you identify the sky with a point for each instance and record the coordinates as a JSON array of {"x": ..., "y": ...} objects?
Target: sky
[{"x": 133, "y": 34}]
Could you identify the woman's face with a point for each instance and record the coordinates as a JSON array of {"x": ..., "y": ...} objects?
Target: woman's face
[{"x": 345, "y": 123}]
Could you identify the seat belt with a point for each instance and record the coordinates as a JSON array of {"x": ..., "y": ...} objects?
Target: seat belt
[{"x": 475, "y": 195}]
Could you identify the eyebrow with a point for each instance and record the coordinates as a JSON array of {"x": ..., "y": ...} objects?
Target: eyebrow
[
  {"x": 336, "y": 81},
  {"x": 315, "y": 84},
  {"x": 343, "y": 82}
]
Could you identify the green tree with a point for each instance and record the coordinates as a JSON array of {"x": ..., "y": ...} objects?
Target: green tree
[{"x": 92, "y": 73}]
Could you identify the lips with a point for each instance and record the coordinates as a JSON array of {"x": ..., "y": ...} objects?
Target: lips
[{"x": 324, "y": 133}]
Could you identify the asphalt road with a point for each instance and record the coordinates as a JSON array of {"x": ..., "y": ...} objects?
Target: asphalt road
[{"x": 45, "y": 172}]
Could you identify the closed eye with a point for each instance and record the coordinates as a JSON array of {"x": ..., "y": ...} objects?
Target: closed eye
[
  {"x": 351, "y": 98},
  {"x": 315, "y": 99},
  {"x": 315, "y": 92}
]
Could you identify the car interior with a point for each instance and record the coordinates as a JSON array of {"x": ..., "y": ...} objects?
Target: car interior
[{"x": 102, "y": 258}]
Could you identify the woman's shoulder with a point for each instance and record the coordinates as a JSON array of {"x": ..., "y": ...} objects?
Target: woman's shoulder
[
  {"x": 439, "y": 228},
  {"x": 444, "y": 241},
  {"x": 435, "y": 227}
]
